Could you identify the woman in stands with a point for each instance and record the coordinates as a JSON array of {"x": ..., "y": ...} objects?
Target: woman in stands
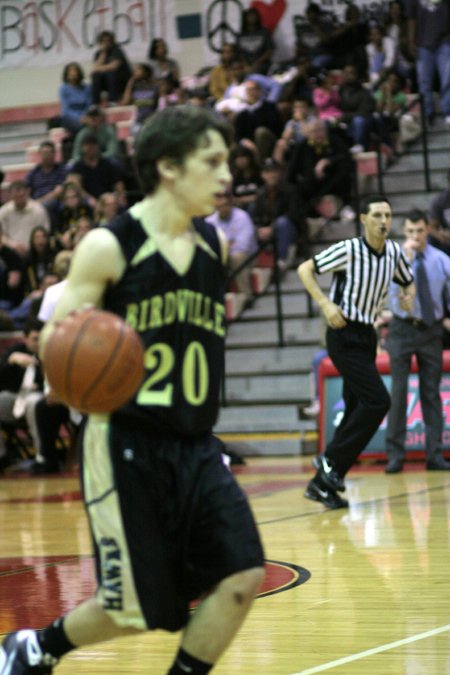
[
  {"x": 39, "y": 261},
  {"x": 246, "y": 173},
  {"x": 75, "y": 97},
  {"x": 73, "y": 207},
  {"x": 160, "y": 61},
  {"x": 142, "y": 92}
]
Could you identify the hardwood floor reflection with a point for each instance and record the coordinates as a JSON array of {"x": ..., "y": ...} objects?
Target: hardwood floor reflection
[{"x": 365, "y": 590}]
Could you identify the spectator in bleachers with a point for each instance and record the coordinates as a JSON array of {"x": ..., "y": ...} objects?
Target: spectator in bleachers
[
  {"x": 221, "y": 76},
  {"x": 107, "y": 208},
  {"x": 380, "y": 51},
  {"x": 260, "y": 122},
  {"x": 390, "y": 100},
  {"x": 19, "y": 216},
  {"x": 76, "y": 232},
  {"x": 45, "y": 181},
  {"x": 21, "y": 383},
  {"x": 440, "y": 219},
  {"x": 348, "y": 41},
  {"x": 31, "y": 305},
  {"x": 197, "y": 97},
  {"x": 111, "y": 70},
  {"x": 246, "y": 174},
  {"x": 240, "y": 233},
  {"x": 161, "y": 62},
  {"x": 72, "y": 207},
  {"x": 75, "y": 97},
  {"x": 325, "y": 97},
  {"x": 141, "y": 92},
  {"x": 51, "y": 413},
  {"x": 11, "y": 277},
  {"x": 234, "y": 99},
  {"x": 321, "y": 167},
  {"x": 169, "y": 92},
  {"x": 254, "y": 42},
  {"x": 276, "y": 213},
  {"x": 98, "y": 174},
  {"x": 397, "y": 28},
  {"x": 313, "y": 37},
  {"x": 39, "y": 261},
  {"x": 105, "y": 133},
  {"x": 294, "y": 129},
  {"x": 303, "y": 82},
  {"x": 429, "y": 43},
  {"x": 357, "y": 105}
]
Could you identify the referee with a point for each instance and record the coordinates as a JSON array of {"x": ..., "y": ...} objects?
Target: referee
[{"x": 363, "y": 268}]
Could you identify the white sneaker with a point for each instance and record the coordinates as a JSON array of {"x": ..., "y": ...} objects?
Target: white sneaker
[{"x": 447, "y": 120}]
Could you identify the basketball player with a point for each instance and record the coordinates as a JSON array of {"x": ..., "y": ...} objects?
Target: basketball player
[{"x": 168, "y": 519}]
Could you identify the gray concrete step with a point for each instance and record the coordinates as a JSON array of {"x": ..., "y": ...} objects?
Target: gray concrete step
[
  {"x": 271, "y": 447},
  {"x": 20, "y": 130},
  {"x": 269, "y": 360},
  {"x": 261, "y": 418},
  {"x": 254, "y": 389},
  {"x": 296, "y": 332}
]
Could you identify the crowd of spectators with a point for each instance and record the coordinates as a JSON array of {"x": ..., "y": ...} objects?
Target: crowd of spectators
[
  {"x": 296, "y": 126},
  {"x": 345, "y": 86}
]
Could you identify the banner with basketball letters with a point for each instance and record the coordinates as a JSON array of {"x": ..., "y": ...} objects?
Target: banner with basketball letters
[
  {"x": 47, "y": 32},
  {"x": 222, "y": 19},
  {"x": 54, "y": 32}
]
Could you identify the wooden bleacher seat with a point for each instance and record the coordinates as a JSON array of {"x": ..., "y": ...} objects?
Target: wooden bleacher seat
[
  {"x": 119, "y": 113},
  {"x": 29, "y": 113}
]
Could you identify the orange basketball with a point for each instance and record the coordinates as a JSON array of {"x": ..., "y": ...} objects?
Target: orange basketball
[{"x": 94, "y": 361}]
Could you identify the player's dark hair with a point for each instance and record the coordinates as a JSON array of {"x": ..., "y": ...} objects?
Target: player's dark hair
[
  {"x": 415, "y": 215},
  {"x": 173, "y": 133},
  {"x": 368, "y": 200}
]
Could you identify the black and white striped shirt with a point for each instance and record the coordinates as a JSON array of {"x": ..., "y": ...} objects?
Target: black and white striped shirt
[{"x": 361, "y": 275}]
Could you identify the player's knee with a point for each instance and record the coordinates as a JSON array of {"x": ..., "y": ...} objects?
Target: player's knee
[{"x": 243, "y": 586}]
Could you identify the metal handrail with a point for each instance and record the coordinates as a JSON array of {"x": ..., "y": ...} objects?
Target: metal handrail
[
  {"x": 424, "y": 138},
  {"x": 278, "y": 301},
  {"x": 272, "y": 243}
]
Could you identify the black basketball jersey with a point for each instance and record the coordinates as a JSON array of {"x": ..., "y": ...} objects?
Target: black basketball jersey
[{"x": 181, "y": 321}]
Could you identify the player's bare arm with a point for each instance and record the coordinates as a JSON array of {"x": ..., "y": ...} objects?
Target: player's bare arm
[
  {"x": 97, "y": 262},
  {"x": 332, "y": 313}
]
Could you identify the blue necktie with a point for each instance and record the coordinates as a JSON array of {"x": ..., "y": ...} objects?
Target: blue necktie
[{"x": 423, "y": 291}]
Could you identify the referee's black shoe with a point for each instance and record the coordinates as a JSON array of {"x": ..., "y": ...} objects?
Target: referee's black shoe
[
  {"x": 21, "y": 654},
  {"x": 328, "y": 474},
  {"x": 325, "y": 496}
]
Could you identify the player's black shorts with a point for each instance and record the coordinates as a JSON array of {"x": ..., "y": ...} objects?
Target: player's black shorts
[{"x": 168, "y": 519}]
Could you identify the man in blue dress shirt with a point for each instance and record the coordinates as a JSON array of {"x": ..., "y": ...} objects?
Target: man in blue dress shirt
[{"x": 418, "y": 332}]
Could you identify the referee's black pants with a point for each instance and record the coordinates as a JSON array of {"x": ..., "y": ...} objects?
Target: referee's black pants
[{"x": 353, "y": 350}]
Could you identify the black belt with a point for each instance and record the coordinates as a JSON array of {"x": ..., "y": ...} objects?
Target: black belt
[{"x": 417, "y": 323}]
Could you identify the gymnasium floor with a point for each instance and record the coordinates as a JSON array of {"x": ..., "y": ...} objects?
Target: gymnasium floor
[{"x": 354, "y": 592}]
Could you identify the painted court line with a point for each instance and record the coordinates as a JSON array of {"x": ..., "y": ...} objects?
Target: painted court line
[{"x": 375, "y": 650}]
